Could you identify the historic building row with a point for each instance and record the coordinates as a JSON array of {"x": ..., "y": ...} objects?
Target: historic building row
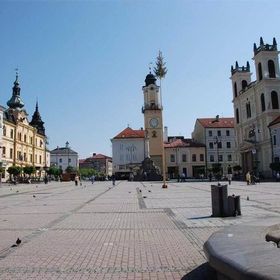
[
  {"x": 250, "y": 139},
  {"x": 23, "y": 142}
]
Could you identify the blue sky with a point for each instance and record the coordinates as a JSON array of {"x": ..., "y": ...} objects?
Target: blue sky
[{"x": 86, "y": 61}]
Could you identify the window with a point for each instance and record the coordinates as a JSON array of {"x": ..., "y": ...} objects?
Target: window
[
  {"x": 4, "y": 151},
  {"x": 235, "y": 90},
  {"x": 211, "y": 145},
  {"x": 227, "y": 133},
  {"x": 220, "y": 158},
  {"x": 211, "y": 158},
  {"x": 248, "y": 110},
  {"x": 172, "y": 158},
  {"x": 201, "y": 157},
  {"x": 274, "y": 140},
  {"x": 219, "y": 133},
  {"x": 276, "y": 159},
  {"x": 30, "y": 140},
  {"x": 244, "y": 84},
  {"x": 271, "y": 69},
  {"x": 210, "y": 133},
  {"x": 30, "y": 158},
  {"x": 262, "y": 102},
  {"x": 40, "y": 159},
  {"x": 184, "y": 158},
  {"x": 194, "y": 157},
  {"x": 60, "y": 160},
  {"x": 24, "y": 157},
  {"x": 11, "y": 153},
  {"x": 220, "y": 145},
  {"x": 228, "y": 145},
  {"x": 12, "y": 133},
  {"x": 237, "y": 115},
  {"x": 260, "y": 71},
  {"x": 274, "y": 100},
  {"x": 4, "y": 130},
  {"x": 154, "y": 133},
  {"x": 69, "y": 160},
  {"x": 19, "y": 136},
  {"x": 24, "y": 138},
  {"x": 229, "y": 158}
]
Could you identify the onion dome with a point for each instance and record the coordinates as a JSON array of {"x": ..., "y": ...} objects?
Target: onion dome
[
  {"x": 150, "y": 79},
  {"x": 15, "y": 102}
]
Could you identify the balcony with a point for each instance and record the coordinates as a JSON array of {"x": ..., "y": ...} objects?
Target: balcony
[{"x": 151, "y": 107}]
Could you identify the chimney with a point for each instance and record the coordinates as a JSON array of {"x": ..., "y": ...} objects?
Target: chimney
[{"x": 94, "y": 154}]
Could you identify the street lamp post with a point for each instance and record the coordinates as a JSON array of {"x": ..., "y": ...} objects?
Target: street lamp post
[{"x": 217, "y": 142}]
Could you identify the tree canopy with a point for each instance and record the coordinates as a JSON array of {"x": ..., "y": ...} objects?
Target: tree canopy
[{"x": 160, "y": 70}]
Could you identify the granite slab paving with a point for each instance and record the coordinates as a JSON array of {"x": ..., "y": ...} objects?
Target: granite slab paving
[{"x": 135, "y": 230}]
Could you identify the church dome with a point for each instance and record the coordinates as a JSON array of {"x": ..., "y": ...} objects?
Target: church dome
[{"x": 150, "y": 79}]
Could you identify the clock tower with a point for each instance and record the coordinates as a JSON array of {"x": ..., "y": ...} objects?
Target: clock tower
[{"x": 152, "y": 111}]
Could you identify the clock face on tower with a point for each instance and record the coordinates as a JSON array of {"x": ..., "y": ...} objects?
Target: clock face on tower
[{"x": 154, "y": 122}]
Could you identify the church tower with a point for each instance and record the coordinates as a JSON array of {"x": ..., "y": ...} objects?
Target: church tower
[
  {"x": 152, "y": 111},
  {"x": 256, "y": 105}
]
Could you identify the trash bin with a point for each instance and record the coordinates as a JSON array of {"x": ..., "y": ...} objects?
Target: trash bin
[
  {"x": 219, "y": 195},
  {"x": 234, "y": 208}
]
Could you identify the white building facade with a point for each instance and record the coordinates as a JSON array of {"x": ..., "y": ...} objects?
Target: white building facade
[
  {"x": 129, "y": 149},
  {"x": 274, "y": 128},
  {"x": 218, "y": 135},
  {"x": 64, "y": 157},
  {"x": 184, "y": 156},
  {"x": 256, "y": 105}
]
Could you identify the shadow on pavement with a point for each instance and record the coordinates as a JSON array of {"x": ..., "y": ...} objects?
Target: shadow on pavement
[{"x": 202, "y": 272}]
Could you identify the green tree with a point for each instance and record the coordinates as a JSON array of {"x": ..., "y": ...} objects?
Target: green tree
[
  {"x": 160, "y": 70},
  {"x": 29, "y": 170},
  {"x": 87, "y": 172},
  {"x": 55, "y": 171},
  {"x": 217, "y": 168},
  {"x": 70, "y": 169},
  {"x": 14, "y": 170}
]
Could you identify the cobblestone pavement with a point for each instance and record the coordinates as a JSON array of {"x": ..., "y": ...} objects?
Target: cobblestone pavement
[{"x": 131, "y": 231}]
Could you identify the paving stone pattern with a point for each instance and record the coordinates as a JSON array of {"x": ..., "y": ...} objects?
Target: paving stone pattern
[{"x": 131, "y": 231}]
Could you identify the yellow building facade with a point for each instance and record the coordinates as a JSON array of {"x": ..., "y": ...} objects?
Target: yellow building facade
[{"x": 23, "y": 142}]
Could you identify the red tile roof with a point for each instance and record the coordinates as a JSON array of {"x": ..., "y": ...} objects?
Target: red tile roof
[
  {"x": 180, "y": 143},
  {"x": 130, "y": 133},
  {"x": 100, "y": 156},
  {"x": 221, "y": 123},
  {"x": 275, "y": 121}
]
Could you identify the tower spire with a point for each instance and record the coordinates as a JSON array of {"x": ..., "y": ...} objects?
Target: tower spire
[
  {"x": 37, "y": 120},
  {"x": 15, "y": 101}
]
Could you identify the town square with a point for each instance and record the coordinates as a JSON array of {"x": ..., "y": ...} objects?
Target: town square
[
  {"x": 139, "y": 140},
  {"x": 96, "y": 231}
]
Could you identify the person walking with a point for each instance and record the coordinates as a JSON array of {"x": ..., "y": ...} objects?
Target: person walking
[
  {"x": 229, "y": 171},
  {"x": 76, "y": 180},
  {"x": 113, "y": 179},
  {"x": 248, "y": 178}
]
